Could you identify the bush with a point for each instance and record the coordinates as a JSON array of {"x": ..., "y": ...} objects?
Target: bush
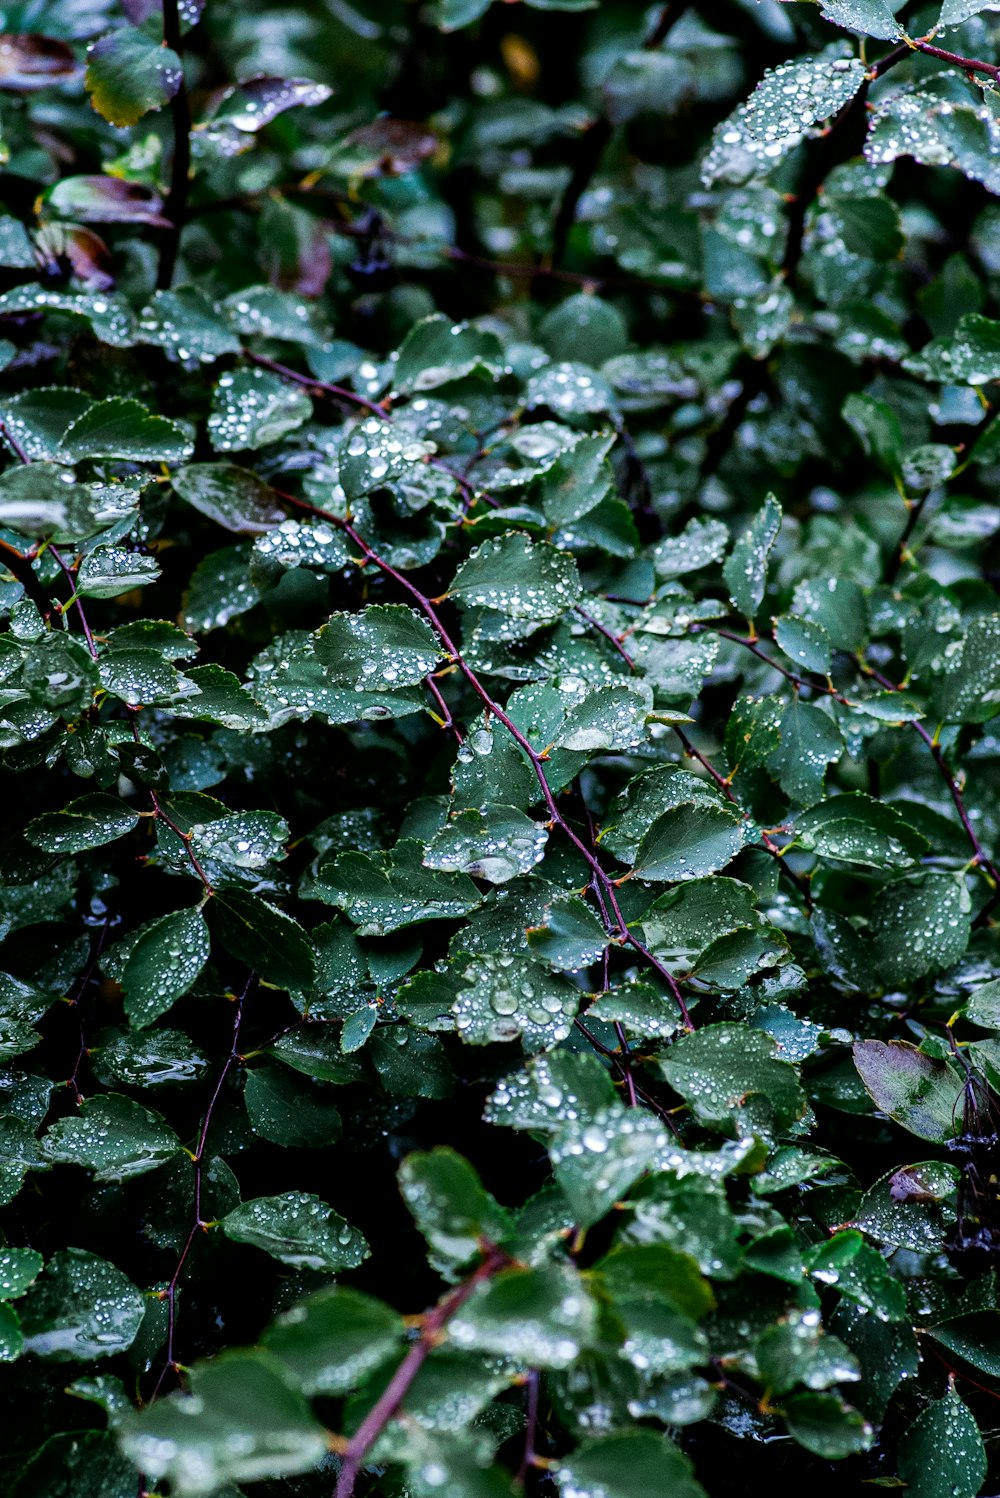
[{"x": 498, "y": 535}]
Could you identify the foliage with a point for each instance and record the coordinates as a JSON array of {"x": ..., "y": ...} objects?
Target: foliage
[{"x": 499, "y": 693}]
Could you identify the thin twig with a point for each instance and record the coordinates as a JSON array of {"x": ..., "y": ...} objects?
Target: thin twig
[
  {"x": 967, "y": 64},
  {"x": 447, "y": 721},
  {"x": 198, "y": 1224},
  {"x": 915, "y": 509},
  {"x": 536, "y": 760},
  {"x": 168, "y": 821},
  {"x": 385, "y": 1407},
  {"x": 595, "y": 140},
  {"x": 175, "y": 209},
  {"x": 319, "y": 387},
  {"x": 981, "y": 857},
  {"x": 529, "y": 1453},
  {"x": 67, "y": 573},
  {"x": 75, "y": 1003}
]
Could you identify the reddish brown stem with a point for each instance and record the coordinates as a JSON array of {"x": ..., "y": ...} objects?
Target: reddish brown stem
[
  {"x": 384, "y": 1408},
  {"x": 967, "y": 64},
  {"x": 68, "y": 574},
  {"x": 198, "y": 1225},
  {"x": 536, "y": 760},
  {"x": 319, "y": 387}
]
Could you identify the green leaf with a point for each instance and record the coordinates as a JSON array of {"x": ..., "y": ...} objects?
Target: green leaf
[
  {"x": 381, "y": 648},
  {"x": 451, "y": 15},
  {"x": 496, "y": 844},
  {"x": 612, "y": 718},
  {"x": 287, "y": 1110},
  {"x": 826, "y": 1426},
  {"x": 745, "y": 569},
  {"x": 81, "y": 1307},
  {"x": 249, "y": 106},
  {"x": 130, "y": 72},
  {"x": 120, "y": 428},
  {"x": 233, "y": 497},
  {"x": 519, "y": 577},
  {"x": 909, "y": 1208},
  {"x": 873, "y": 17},
  {"x": 113, "y": 1136},
  {"x": 810, "y": 741},
  {"x": 298, "y": 1229},
  {"x": 700, "y": 544},
  {"x": 84, "y": 1464},
  {"x": 954, "y": 12},
  {"x": 316, "y": 1053},
  {"x": 983, "y": 1007},
  {"x": 332, "y": 1341},
  {"x": 806, "y": 643},
  {"x": 860, "y": 830},
  {"x": 969, "y": 356},
  {"x": 729, "y": 1077},
  {"x": 150, "y": 1058},
  {"x": 628, "y": 1464},
  {"x": 20, "y": 1152},
  {"x": 220, "y": 589},
  {"x": 456, "y": 1215},
  {"x": 941, "y": 1455},
  {"x": 110, "y": 571},
  {"x": 437, "y": 351},
  {"x": 257, "y": 933},
  {"x": 920, "y": 925},
  {"x": 689, "y": 841},
  {"x": 569, "y": 934},
  {"x": 163, "y": 964},
  {"x": 974, "y": 1337},
  {"x": 969, "y": 689},
  {"x": 188, "y": 325},
  {"x": 220, "y": 699},
  {"x": 772, "y": 122},
  {"x": 243, "y": 1421},
  {"x": 542, "y": 1317},
  {"x": 411, "y": 1064},
  {"x": 384, "y": 892},
  {"x": 639, "y": 1008},
  {"x": 253, "y": 407},
  {"x": 18, "y": 1268},
  {"x": 88, "y": 822},
  {"x": 506, "y": 997},
  {"x": 917, "y": 1091}
]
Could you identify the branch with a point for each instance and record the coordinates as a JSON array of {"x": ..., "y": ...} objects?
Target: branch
[
  {"x": 168, "y": 821},
  {"x": 67, "y": 573},
  {"x": 398, "y": 1387},
  {"x": 595, "y": 140},
  {"x": 915, "y": 508},
  {"x": 967, "y": 64},
  {"x": 175, "y": 208},
  {"x": 198, "y": 1225},
  {"x": 536, "y": 760}
]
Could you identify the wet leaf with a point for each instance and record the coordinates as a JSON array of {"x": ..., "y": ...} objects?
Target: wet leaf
[
  {"x": 942, "y": 1452},
  {"x": 163, "y": 964},
  {"x": 130, "y": 72},
  {"x": 243, "y": 1421},
  {"x": 113, "y": 1136},
  {"x": 298, "y": 1229},
  {"x": 331, "y": 1341},
  {"x": 81, "y": 1307},
  {"x": 88, "y": 822}
]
